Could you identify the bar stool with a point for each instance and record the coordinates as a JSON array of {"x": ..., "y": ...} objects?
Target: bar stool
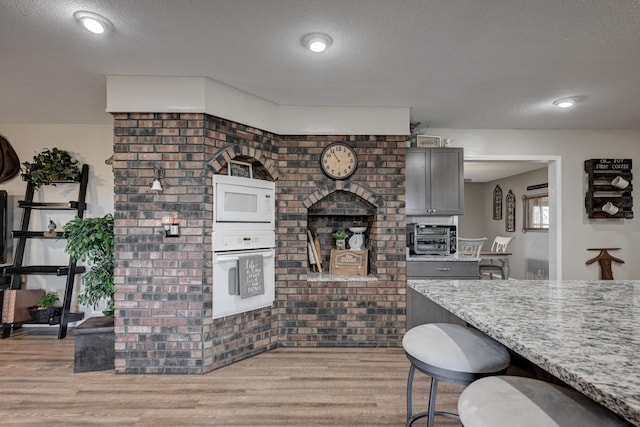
[
  {"x": 451, "y": 353},
  {"x": 526, "y": 402}
]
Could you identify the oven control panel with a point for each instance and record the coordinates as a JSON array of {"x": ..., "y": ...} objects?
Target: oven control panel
[{"x": 242, "y": 240}]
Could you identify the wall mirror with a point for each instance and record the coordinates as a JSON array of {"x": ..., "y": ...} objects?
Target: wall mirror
[{"x": 536, "y": 213}]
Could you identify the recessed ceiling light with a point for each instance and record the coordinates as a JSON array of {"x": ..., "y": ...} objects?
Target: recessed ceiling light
[
  {"x": 93, "y": 22},
  {"x": 564, "y": 102},
  {"x": 316, "y": 42}
]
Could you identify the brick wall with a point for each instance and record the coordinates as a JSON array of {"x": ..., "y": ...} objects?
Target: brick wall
[
  {"x": 341, "y": 313},
  {"x": 163, "y": 285}
]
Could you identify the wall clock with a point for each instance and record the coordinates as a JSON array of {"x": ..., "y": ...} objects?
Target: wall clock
[{"x": 338, "y": 160}]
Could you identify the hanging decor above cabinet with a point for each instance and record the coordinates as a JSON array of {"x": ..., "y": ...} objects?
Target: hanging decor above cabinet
[{"x": 609, "y": 188}]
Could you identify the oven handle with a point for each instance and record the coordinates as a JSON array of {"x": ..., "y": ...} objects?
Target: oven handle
[
  {"x": 235, "y": 256},
  {"x": 234, "y": 282}
]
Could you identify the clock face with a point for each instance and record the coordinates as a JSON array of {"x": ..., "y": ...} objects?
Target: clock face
[{"x": 339, "y": 160}]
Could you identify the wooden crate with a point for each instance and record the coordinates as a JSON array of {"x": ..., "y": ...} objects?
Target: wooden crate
[
  {"x": 15, "y": 303},
  {"x": 349, "y": 262}
]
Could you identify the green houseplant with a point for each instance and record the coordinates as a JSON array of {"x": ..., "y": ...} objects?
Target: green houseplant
[
  {"x": 91, "y": 240},
  {"x": 46, "y": 308},
  {"x": 50, "y": 166},
  {"x": 341, "y": 236},
  {"x": 50, "y": 299}
]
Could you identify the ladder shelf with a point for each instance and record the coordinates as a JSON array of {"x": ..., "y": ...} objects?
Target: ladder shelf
[{"x": 17, "y": 270}]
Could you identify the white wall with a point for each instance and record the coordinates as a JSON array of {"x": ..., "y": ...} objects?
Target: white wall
[
  {"x": 574, "y": 147},
  {"x": 90, "y": 145},
  {"x": 471, "y": 224},
  {"x": 478, "y": 219}
]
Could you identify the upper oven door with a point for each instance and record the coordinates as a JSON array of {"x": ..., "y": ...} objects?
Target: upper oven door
[{"x": 243, "y": 199}]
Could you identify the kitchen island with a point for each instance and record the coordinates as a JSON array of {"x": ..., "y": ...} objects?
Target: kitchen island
[{"x": 585, "y": 333}]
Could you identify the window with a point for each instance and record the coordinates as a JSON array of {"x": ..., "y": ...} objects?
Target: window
[{"x": 536, "y": 213}]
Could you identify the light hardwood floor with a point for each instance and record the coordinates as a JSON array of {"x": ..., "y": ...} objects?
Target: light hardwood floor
[{"x": 283, "y": 387}]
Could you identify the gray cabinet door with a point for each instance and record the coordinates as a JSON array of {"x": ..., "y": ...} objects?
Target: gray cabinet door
[
  {"x": 447, "y": 181},
  {"x": 417, "y": 182},
  {"x": 435, "y": 181},
  {"x": 421, "y": 310}
]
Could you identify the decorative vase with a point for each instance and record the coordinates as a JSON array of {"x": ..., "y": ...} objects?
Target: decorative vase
[
  {"x": 94, "y": 345},
  {"x": 340, "y": 244}
]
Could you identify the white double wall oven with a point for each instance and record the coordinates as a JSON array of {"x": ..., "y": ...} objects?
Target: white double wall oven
[{"x": 243, "y": 245}]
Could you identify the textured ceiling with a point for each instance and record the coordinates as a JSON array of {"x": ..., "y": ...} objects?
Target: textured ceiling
[{"x": 456, "y": 63}]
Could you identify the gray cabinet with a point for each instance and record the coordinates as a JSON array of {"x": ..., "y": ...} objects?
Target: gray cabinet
[
  {"x": 421, "y": 310},
  {"x": 435, "y": 181}
]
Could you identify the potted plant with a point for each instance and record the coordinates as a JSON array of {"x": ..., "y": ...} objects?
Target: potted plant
[
  {"x": 50, "y": 166},
  {"x": 90, "y": 240},
  {"x": 46, "y": 308},
  {"x": 341, "y": 236}
]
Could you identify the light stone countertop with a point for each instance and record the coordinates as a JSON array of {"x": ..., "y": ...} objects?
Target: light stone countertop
[{"x": 586, "y": 333}]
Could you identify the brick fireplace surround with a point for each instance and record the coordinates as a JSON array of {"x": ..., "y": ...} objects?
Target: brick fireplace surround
[{"x": 163, "y": 285}]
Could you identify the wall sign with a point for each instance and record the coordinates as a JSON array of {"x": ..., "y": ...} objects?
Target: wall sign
[
  {"x": 251, "y": 275},
  {"x": 497, "y": 203},
  {"x": 609, "y": 188},
  {"x": 510, "y": 220},
  {"x": 426, "y": 141}
]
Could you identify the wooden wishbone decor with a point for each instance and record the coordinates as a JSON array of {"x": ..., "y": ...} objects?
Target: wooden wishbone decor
[{"x": 9, "y": 161}]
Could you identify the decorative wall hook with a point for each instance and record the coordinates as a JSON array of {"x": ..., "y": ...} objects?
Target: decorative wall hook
[{"x": 604, "y": 258}]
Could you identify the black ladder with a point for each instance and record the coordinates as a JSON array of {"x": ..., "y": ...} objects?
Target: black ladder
[{"x": 17, "y": 270}]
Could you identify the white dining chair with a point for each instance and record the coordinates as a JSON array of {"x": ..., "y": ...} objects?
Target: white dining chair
[
  {"x": 499, "y": 245},
  {"x": 470, "y": 247}
]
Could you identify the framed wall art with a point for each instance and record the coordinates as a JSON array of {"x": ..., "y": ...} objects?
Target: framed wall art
[
  {"x": 497, "y": 203},
  {"x": 242, "y": 169}
]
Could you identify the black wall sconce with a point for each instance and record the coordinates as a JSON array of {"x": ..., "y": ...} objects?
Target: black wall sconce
[{"x": 171, "y": 225}]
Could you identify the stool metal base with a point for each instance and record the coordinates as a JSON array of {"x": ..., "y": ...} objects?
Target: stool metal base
[
  {"x": 430, "y": 413},
  {"x": 436, "y": 374}
]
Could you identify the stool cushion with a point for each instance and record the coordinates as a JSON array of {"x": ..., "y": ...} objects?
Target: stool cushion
[
  {"x": 502, "y": 401},
  {"x": 455, "y": 348}
]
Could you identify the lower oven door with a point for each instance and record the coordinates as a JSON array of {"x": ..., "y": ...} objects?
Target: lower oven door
[{"x": 236, "y": 291}]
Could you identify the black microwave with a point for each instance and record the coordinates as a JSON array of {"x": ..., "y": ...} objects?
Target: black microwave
[{"x": 432, "y": 239}]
